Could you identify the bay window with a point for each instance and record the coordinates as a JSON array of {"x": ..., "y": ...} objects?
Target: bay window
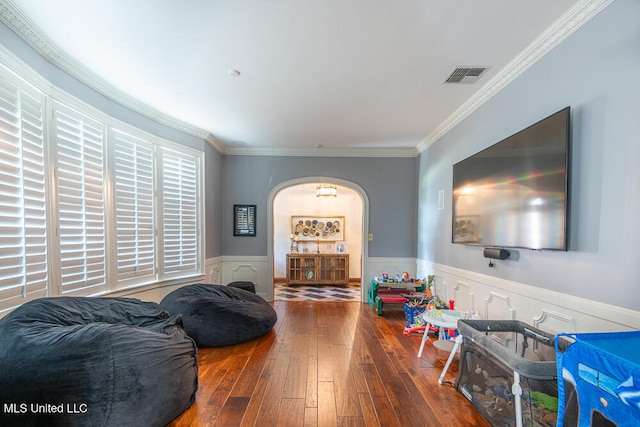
[{"x": 90, "y": 205}]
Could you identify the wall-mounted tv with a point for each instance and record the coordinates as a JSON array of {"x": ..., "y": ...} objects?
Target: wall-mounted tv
[{"x": 514, "y": 194}]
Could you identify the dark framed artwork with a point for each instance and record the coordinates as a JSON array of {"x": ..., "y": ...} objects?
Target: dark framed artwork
[{"x": 244, "y": 220}]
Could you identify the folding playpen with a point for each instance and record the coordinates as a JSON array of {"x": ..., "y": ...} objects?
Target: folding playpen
[{"x": 508, "y": 372}]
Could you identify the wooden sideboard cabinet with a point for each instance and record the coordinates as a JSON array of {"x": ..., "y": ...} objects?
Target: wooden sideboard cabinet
[{"x": 318, "y": 269}]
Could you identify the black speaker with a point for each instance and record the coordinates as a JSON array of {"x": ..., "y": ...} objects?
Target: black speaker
[{"x": 496, "y": 253}]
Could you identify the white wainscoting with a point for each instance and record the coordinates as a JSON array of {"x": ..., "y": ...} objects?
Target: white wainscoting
[
  {"x": 251, "y": 269},
  {"x": 545, "y": 309},
  {"x": 213, "y": 271}
]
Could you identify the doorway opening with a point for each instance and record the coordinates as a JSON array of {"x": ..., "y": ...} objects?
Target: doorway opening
[{"x": 295, "y": 198}]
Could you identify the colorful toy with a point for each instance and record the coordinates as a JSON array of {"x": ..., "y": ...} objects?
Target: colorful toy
[
  {"x": 545, "y": 401},
  {"x": 501, "y": 411}
]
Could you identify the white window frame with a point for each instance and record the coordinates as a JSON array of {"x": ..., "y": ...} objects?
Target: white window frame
[
  {"x": 134, "y": 204},
  {"x": 189, "y": 232},
  {"x": 24, "y": 273},
  {"x": 55, "y": 99},
  {"x": 79, "y": 202}
]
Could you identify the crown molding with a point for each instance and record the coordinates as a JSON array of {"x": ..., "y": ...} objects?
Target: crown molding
[
  {"x": 215, "y": 143},
  {"x": 563, "y": 27},
  {"x": 28, "y": 31},
  {"x": 322, "y": 152}
]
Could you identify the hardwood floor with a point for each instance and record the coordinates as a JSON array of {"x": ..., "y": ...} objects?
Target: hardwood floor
[{"x": 328, "y": 364}]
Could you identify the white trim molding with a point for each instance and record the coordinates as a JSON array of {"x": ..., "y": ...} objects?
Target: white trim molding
[{"x": 545, "y": 309}]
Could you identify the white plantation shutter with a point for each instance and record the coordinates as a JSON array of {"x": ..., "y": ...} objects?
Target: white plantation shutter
[
  {"x": 83, "y": 215},
  {"x": 23, "y": 219},
  {"x": 180, "y": 231},
  {"x": 134, "y": 207},
  {"x": 79, "y": 164}
]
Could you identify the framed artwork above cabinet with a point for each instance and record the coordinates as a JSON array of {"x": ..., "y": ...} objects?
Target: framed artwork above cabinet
[{"x": 317, "y": 228}]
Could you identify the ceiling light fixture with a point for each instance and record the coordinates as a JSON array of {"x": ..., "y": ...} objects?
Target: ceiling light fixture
[
  {"x": 234, "y": 73},
  {"x": 326, "y": 190}
]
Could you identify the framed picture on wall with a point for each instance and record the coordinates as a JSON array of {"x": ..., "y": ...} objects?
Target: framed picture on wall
[
  {"x": 341, "y": 248},
  {"x": 244, "y": 220}
]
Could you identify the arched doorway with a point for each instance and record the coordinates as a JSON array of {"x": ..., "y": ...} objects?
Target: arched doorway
[{"x": 275, "y": 241}]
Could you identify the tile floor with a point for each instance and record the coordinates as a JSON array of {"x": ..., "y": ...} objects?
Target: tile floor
[{"x": 315, "y": 293}]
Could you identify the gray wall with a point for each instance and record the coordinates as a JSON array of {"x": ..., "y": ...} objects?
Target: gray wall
[
  {"x": 213, "y": 196},
  {"x": 390, "y": 185},
  {"x": 595, "y": 71}
]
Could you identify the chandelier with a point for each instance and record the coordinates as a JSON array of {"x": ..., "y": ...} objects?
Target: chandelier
[{"x": 326, "y": 190}]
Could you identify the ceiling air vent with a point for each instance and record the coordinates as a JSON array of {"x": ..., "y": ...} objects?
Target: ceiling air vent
[{"x": 466, "y": 75}]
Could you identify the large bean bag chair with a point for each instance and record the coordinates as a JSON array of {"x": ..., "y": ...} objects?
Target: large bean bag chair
[
  {"x": 94, "y": 362},
  {"x": 247, "y": 286},
  {"x": 217, "y": 315}
]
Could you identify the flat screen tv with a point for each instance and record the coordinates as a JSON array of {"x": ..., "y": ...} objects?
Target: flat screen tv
[{"x": 514, "y": 194}]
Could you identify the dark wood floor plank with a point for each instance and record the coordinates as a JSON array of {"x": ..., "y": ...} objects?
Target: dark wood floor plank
[
  {"x": 273, "y": 393},
  {"x": 369, "y": 415},
  {"x": 347, "y": 402},
  {"x": 384, "y": 410},
  {"x": 326, "y": 404},
  {"x": 291, "y": 413},
  {"x": 248, "y": 378},
  {"x": 310, "y": 417},
  {"x": 311, "y": 396},
  {"x": 232, "y": 411},
  {"x": 295, "y": 385},
  {"x": 334, "y": 364},
  {"x": 253, "y": 408},
  {"x": 325, "y": 366}
]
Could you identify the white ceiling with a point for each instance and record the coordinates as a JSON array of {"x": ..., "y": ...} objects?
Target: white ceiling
[{"x": 346, "y": 75}]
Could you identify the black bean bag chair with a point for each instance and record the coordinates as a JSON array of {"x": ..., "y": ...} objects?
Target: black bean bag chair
[
  {"x": 80, "y": 361},
  {"x": 247, "y": 286},
  {"x": 218, "y": 315}
]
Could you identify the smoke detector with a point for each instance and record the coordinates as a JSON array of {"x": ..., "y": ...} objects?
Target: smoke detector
[{"x": 465, "y": 75}]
